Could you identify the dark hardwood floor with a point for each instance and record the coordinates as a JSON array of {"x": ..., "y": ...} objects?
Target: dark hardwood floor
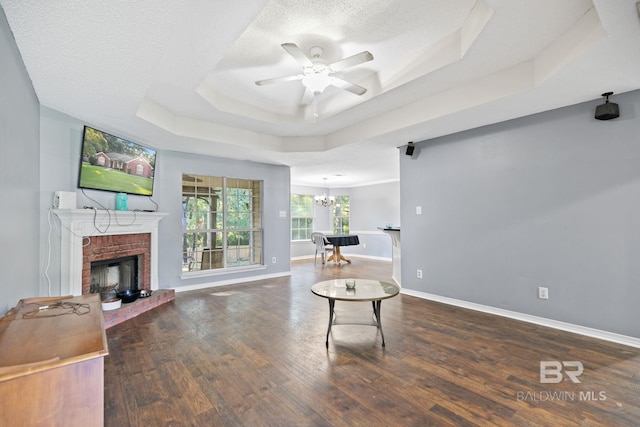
[{"x": 254, "y": 355}]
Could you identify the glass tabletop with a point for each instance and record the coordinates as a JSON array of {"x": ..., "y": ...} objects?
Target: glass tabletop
[{"x": 364, "y": 290}]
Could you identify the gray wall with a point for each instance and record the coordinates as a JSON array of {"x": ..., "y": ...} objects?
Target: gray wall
[
  {"x": 61, "y": 144},
  {"x": 372, "y": 206},
  {"x": 19, "y": 175},
  {"x": 60, "y": 137},
  {"x": 548, "y": 200},
  {"x": 168, "y": 193}
]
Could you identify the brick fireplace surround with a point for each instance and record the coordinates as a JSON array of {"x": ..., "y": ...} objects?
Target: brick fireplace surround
[
  {"x": 89, "y": 235},
  {"x": 101, "y": 248}
]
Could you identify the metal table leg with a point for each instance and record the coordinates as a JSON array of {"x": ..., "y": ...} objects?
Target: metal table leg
[
  {"x": 332, "y": 303},
  {"x": 376, "y": 312}
]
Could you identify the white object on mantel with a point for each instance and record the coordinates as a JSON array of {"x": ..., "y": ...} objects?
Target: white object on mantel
[
  {"x": 64, "y": 200},
  {"x": 78, "y": 223}
]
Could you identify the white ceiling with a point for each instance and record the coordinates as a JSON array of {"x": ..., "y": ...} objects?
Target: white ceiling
[{"x": 179, "y": 74}]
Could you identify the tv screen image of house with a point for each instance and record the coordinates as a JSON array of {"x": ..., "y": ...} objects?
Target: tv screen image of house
[{"x": 111, "y": 163}]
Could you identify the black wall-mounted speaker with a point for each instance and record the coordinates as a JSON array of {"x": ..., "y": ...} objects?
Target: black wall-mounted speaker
[
  {"x": 608, "y": 110},
  {"x": 410, "y": 147}
]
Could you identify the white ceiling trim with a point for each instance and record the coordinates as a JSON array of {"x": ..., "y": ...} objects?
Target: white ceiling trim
[
  {"x": 434, "y": 56},
  {"x": 581, "y": 37},
  {"x": 160, "y": 116},
  {"x": 507, "y": 82}
]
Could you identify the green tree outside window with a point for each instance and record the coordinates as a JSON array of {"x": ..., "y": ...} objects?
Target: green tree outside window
[
  {"x": 222, "y": 222},
  {"x": 341, "y": 215}
]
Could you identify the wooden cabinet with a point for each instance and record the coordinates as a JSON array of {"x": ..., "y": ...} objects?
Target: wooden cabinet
[{"x": 52, "y": 362}]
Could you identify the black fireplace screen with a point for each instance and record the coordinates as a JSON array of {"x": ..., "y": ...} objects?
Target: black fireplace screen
[{"x": 119, "y": 274}]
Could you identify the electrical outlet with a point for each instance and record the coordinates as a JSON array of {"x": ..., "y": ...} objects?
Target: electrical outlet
[
  {"x": 419, "y": 274},
  {"x": 543, "y": 293},
  {"x": 364, "y": 245},
  {"x": 273, "y": 260}
]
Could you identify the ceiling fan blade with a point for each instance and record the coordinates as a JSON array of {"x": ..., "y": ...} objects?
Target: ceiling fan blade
[
  {"x": 356, "y": 59},
  {"x": 348, "y": 86},
  {"x": 279, "y": 80},
  {"x": 293, "y": 50}
]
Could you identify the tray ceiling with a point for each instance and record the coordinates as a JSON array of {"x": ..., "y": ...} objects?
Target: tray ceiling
[{"x": 180, "y": 75}]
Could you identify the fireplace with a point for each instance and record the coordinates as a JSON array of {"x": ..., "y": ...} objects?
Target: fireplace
[
  {"x": 119, "y": 274},
  {"x": 97, "y": 235},
  {"x": 103, "y": 238},
  {"x": 126, "y": 257}
]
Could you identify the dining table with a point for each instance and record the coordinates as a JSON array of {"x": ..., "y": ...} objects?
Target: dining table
[{"x": 339, "y": 240}]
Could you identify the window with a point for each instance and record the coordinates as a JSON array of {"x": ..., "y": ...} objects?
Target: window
[
  {"x": 301, "y": 216},
  {"x": 222, "y": 222},
  {"x": 341, "y": 215}
]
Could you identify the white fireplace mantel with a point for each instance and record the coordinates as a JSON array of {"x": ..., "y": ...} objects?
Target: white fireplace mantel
[{"x": 80, "y": 223}]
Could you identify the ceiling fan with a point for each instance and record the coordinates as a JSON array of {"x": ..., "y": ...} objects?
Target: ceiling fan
[{"x": 316, "y": 76}]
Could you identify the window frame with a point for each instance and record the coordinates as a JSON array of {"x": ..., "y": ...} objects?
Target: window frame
[
  {"x": 337, "y": 221},
  {"x": 194, "y": 255},
  {"x": 311, "y": 218}
]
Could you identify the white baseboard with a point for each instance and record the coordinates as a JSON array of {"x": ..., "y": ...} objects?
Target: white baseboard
[
  {"x": 555, "y": 324},
  {"x": 230, "y": 281},
  {"x": 377, "y": 258}
]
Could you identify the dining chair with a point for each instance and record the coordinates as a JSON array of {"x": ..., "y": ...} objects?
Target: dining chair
[{"x": 322, "y": 246}]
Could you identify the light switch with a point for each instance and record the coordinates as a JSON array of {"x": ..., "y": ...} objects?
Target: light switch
[{"x": 418, "y": 210}]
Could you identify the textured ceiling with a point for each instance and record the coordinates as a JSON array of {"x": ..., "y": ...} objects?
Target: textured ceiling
[{"x": 179, "y": 75}]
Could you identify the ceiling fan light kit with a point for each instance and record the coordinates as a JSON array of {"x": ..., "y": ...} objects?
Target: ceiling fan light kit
[{"x": 316, "y": 80}]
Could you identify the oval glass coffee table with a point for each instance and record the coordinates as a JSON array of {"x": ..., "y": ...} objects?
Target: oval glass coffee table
[{"x": 364, "y": 290}]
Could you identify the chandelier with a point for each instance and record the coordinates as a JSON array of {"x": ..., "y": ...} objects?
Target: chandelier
[{"x": 325, "y": 200}]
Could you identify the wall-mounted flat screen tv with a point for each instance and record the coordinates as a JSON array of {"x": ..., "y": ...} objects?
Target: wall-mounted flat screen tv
[{"x": 111, "y": 163}]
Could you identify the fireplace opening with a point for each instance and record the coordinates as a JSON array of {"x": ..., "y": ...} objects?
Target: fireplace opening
[{"x": 111, "y": 275}]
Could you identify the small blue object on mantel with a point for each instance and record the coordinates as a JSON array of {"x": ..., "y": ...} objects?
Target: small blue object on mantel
[{"x": 121, "y": 202}]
